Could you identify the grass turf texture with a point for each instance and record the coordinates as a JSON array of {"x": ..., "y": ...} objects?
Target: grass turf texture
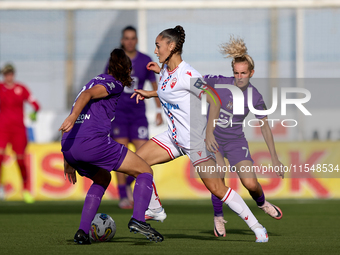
[{"x": 307, "y": 227}]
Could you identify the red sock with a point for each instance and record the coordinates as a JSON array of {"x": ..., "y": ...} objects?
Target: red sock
[
  {"x": 1, "y": 159},
  {"x": 23, "y": 170}
]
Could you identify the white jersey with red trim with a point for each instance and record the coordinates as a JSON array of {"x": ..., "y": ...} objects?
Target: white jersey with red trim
[{"x": 179, "y": 93}]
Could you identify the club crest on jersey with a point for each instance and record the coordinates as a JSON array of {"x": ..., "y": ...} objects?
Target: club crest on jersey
[
  {"x": 230, "y": 105},
  {"x": 165, "y": 82},
  {"x": 173, "y": 82},
  {"x": 18, "y": 90}
]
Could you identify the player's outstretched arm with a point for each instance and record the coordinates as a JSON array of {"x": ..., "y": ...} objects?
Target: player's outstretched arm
[
  {"x": 96, "y": 92},
  {"x": 153, "y": 66},
  {"x": 214, "y": 111},
  {"x": 269, "y": 139},
  {"x": 159, "y": 119},
  {"x": 141, "y": 94}
]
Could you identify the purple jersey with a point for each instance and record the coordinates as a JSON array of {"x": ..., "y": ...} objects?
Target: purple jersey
[
  {"x": 227, "y": 128},
  {"x": 95, "y": 119},
  {"x": 139, "y": 74}
]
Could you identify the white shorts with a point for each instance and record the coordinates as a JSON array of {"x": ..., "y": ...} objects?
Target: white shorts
[{"x": 196, "y": 155}]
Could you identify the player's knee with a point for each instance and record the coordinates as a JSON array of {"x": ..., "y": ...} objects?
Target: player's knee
[
  {"x": 143, "y": 169},
  {"x": 102, "y": 178},
  {"x": 214, "y": 189}
]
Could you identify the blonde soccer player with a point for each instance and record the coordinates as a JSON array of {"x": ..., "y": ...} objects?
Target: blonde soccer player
[{"x": 229, "y": 132}]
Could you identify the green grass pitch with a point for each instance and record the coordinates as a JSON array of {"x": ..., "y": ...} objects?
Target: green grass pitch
[{"x": 307, "y": 227}]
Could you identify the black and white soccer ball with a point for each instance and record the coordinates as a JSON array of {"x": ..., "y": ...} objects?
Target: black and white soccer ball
[{"x": 103, "y": 228}]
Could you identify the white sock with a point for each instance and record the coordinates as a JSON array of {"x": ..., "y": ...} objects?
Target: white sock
[
  {"x": 237, "y": 205},
  {"x": 155, "y": 203}
]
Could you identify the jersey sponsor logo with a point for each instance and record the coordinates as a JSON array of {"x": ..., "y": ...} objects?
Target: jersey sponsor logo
[
  {"x": 82, "y": 117},
  {"x": 189, "y": 73},
  {"x": 173, "y": 82},
  {"x": 170, "y": 106},
  {"x": 111, "y": 85}
]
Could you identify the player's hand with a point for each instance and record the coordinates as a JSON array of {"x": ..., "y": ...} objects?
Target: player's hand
[
  {"x": 68, "y": 123},
  {"x": 140, "y": 95},
  {"x": 278, "y": 164},
  {"x": 153, "y": 66},
  {"x": 159, "y": 119},
  {"x": 33, "y": 116},
  {"x": 211, "y": 143},
  {"x": 70, "y": 172}
]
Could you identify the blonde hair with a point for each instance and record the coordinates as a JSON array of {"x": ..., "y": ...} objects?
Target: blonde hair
[{"x": 236, "y": 49}]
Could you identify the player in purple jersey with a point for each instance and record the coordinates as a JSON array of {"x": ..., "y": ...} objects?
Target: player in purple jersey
[
  {"x": 198, "y": 141},
  {"x": 131, "y": 124},
  {"x": 230, "y": 137},
  {"x": 88, "y": 148}
]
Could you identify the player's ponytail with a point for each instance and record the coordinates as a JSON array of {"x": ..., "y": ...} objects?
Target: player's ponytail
[
  {"x": 177, "y": 35},
  {"x": 237, "y": 50},
  {"x": 120, "y": 67}
]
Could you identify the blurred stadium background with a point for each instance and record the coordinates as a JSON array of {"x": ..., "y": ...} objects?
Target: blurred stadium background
[{"x": 57, "y": 46}]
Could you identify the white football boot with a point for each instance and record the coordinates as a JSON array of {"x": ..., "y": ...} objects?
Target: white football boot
[{"x": 150, "y": 214}]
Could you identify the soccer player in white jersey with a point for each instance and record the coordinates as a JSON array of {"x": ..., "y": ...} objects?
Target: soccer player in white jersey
[
  {"x": 180, "y": 99},
  {"x": 231, "y": 139}
]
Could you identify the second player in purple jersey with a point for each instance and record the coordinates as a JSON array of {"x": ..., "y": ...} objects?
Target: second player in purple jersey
[
  {"x": 229, "y": 131},
  {"x": 88, "y": 148},
  {"x": 131, "y": 124},
  {"x": 230, "y": 126}
]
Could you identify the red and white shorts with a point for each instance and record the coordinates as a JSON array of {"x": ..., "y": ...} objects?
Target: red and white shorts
[{"x": 197, "y": 154}]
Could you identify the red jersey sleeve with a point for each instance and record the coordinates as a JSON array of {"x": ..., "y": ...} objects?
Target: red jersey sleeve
[{"x": 28, "y": 96}]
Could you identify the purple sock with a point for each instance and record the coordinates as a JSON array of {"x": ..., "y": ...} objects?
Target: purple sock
[
  {"x": 259, "y": 200},
  {"x": 91, "y": 204},
  {"x": 217, "y": 204},
  {"x": 122, "y": 191},
  {"x": 129, "y": 180},
  {"x": 142, "y": 195}
]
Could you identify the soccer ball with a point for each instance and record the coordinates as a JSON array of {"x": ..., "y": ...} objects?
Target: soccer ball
[{"x": 103, "y": 228}]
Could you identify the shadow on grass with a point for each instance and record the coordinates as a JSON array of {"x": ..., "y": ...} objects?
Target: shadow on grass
[
  {"x": 238, "y": 232},
  {"x": 127, "y": 240}
]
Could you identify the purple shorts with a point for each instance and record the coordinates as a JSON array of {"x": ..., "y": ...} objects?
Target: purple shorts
[
  {"x": 235, "y": 150},
  {"x": 131, "y": 126},
  {"x": 88, "y": 154}
]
